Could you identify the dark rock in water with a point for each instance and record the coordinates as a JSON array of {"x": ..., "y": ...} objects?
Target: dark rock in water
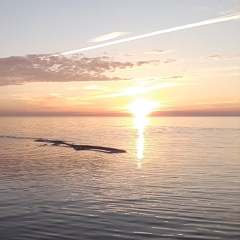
[
  {"x": 97, "y": 148},
  {"x": 55, "y": 142},
  {"x": 81, "y": 147},
  {"x": 40, "y": 140}
]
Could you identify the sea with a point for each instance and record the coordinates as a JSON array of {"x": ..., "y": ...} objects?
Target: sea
[{"x": 179, "y": 178}]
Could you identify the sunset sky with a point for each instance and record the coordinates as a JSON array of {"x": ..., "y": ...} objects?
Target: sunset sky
[{"x": 192, "y": 71}]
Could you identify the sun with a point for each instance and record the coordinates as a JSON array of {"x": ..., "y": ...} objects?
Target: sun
[{"x": 142, "y": 107}]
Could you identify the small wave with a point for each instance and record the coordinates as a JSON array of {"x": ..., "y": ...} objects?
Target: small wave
[{"x": 17, "y": 137}]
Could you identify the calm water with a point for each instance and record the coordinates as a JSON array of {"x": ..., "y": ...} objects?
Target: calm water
[{"x": 179, "y": 179}]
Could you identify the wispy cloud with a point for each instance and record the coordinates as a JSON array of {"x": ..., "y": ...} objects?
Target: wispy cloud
[
  {"x": 108, "y": 36},
  {"x": 151, "y": 34},
  {"x": 158, "y": 52},
  {"x": 50, "y": 100},
  {"x": 96, "y": 87},
  {"x": 147, "y": 63},
  {"x": 169, "y": 61},
  {"x": 153, "y": 52},
  {"x": 220, "y": 57},
  {"x": 136, "y": 90}
]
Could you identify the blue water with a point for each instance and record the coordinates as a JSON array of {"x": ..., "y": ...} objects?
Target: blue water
[{"x": 178, "y": 180}]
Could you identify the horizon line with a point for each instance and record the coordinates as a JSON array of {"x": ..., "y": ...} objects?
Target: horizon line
[{"x": 154, "y": 114}]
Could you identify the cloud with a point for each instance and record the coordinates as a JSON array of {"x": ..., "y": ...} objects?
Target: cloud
[
  {"x": 158, "y": 51},
  {"x": 108, "y": 36},
  {"x": 169, "y": 61},
  {"x": 18, "y": 70},
  {"x": 220, "y": 57},
  {"x": 147, "y": 63},
  {"x": 153, "y": 52}
]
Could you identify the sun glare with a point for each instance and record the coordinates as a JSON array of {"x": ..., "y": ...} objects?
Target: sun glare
[{"x": 142, "y": 107}]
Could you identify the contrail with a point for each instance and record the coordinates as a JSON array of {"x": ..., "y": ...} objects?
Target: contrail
[{"x": 146, "y": 35}]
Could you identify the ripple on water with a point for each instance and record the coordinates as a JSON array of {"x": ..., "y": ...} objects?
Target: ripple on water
[{"x": 183, "y": 188}]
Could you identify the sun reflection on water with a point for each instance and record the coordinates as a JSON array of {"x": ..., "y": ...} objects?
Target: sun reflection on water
[{"x": 140, "y": 123}]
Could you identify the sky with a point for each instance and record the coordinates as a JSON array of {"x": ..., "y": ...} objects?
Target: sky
[{"x": 102, "y": 57}]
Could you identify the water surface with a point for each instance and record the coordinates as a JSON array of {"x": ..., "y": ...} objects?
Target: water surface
[{"x": 179, "y": 179}]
